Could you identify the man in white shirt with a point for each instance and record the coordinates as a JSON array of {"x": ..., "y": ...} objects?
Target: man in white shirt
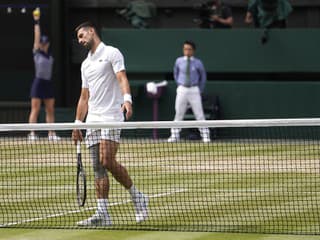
[{"x": 105, "y": 95}]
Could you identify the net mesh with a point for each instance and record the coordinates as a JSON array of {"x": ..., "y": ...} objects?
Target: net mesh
[{"x": 261, "y": 179}]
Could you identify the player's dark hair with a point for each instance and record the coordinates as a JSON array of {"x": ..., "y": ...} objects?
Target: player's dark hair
[
  {"x": 191, "y": 43},
  {"x": 86, "y": 24}
]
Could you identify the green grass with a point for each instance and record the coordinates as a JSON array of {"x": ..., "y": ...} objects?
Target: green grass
[
  {"x": 49, "y": 234},
  {"x": 226, "y": 186}
]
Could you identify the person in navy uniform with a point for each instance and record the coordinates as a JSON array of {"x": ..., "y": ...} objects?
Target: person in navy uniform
[{"x": 42, "y": 86}]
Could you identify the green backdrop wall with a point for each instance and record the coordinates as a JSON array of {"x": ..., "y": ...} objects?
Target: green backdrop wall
[
  {"x": 243, "y": 100},
  {"x": 236, "y": 50}
]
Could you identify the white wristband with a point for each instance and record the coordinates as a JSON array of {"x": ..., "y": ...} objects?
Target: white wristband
[
  {"x": 127, "y": 98},
  {"x": 78, "y": 121}
]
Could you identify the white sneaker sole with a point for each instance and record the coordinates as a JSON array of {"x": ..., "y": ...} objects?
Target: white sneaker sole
[{"x": 94, "y": 223}]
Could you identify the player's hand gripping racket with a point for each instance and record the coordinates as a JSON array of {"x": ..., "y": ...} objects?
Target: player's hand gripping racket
[{"x": 81, "y": 179}]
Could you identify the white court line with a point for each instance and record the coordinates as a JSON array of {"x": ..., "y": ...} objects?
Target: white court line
[{"x": 87, "y": 209}]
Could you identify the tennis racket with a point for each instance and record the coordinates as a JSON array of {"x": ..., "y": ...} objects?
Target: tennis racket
[{"x": 81, "y": 179}]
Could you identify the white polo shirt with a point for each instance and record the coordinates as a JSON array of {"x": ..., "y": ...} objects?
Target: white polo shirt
[{"x": 98, "y": 73}]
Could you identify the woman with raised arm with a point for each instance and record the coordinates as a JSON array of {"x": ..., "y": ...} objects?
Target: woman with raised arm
[{"x": 42, "y": 86}]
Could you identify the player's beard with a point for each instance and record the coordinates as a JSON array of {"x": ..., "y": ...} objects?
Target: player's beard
[{"x": 89, "y": 44}]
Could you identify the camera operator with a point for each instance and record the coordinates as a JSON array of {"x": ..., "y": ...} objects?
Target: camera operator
[
  {"x": 220, "y": 15},
  {"x": 214, "y": 14},
  {"x": 268, "y": 13}
]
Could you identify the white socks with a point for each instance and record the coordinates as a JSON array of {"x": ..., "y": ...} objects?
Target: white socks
[
  {"x": 134, "y": 192},
  {"x": 102, "y": 206},
  {"x": 103, "y": 203}
]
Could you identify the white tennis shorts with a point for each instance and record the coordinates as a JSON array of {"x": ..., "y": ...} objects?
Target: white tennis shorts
[{"x": 94, "y": 136}]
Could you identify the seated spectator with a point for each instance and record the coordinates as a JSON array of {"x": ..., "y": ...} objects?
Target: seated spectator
[
  {"x": 268, "y": 13},
  {"x": 137, "y": 12}
]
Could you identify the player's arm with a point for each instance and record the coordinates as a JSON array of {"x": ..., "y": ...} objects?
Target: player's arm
[
  {"x": 125, "y": 88},
  {"x": 82, "y": 109},
  {"x": 37, "y": 31}
]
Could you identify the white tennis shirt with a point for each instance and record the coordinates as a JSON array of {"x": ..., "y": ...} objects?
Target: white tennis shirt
[{"x": 98, "y": 73}]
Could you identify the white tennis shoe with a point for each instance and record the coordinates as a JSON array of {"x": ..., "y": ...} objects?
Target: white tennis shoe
[
  {"x": 54, "y": 138},
  {"x": 33, "y": 137},
  {"x": 206, "y": 140},
  {"x": 96, "y": 220},
  {"x": 173, "y": 139},
  {"x": 141, "y": 207}
]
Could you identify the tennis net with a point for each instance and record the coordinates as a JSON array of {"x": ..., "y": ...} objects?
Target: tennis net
[{"x": 259, "y": 176}]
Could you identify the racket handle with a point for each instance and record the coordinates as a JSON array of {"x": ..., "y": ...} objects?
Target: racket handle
[{"x": 78, "y": 147}]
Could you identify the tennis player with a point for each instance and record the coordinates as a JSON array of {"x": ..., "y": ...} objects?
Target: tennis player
[
  {"x": 42, "y": 86},
  {"x": 104, "y": 97}
]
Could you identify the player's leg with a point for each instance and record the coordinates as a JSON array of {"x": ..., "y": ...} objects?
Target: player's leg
[
  {"x": 101, "y": 217},
  {"x": 34, "y": 113},
  {"x": 194, "y": 97},
  {"x": 49, "y": 108},
  {"x": 181, "y": 105},
  {"x": 108, "y": 151}
]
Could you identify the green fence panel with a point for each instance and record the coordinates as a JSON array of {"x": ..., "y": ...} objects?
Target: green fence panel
[{"x": 236, "y": 50}]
